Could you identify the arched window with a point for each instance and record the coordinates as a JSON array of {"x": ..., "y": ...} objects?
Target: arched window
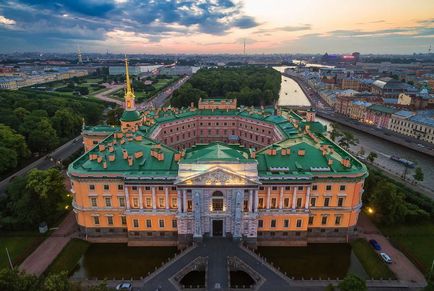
[{"x": 217, "y": 201}]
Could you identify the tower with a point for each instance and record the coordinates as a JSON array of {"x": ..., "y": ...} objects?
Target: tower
[
  {"x": 131, "y": 118},
  {"x": 79, "y": 57}
]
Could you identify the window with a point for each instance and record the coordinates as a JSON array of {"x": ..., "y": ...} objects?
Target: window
[
  {"x": 135, "y": 222},
  {"x": 93, "y": 202},
  {"x": 134, "y": 188},
  {"x": 261, "y": 188},
  {"x": 108, "y": 202},
  {"x": 273, "y": 202},
  {"x": 135, "y": 202},
  {"x": 110, "y": 220},
  {"x": 300, "y": 188},
  {"x": 121, "y": 201},
  {"x": 342, "y": 187},
  {"x": 273, "y": 223},
  {"x": 161, "y": 202},
  {"x": 174, "y": 223},
  {"x": 329, "y": 187},
  {"x": 174, "y": 202},
  {"x": 340, "y": 201},
  {"x": 287, "y": 188},
  {"x": 338, "y": 220},
  {"x": 261, "y": 203},
  {"x": 160, "y": 188},
  {"x": 147, "y": 188},
  {"x": 286, "y": 223},
  {"x": 310, "y": 220},
  {"x": 91, "y": 187},
  {"x": 299, "y": 201},
  {"x": 313, "y": 201},
  {"x": 120, "y": 187},
  {"x": 148, "y": 223},
  {"x": 246, "y": 205},
  {"x": 106, "y": 187},
  {"x": 314, "y": 187},
  {"x": 96, "y": 220},
  {"x": 299, "y": 222},
  {"x": 324, "y": 220},
  {"x": 274, "y": 188},
  {"x": 326, "y": 201},
  {"x": 123, "y": 220},
  {"x": 260, "y": 223},
  {"x": 148, "y": 202},
  {"x": 161, "y": 222},
  {"x": 286, "y": 202},
  {"x": 190, "y": 205}
]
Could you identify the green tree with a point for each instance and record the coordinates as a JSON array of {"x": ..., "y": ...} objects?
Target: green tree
[
  {"x": 21, "y": 112},
  {"x": 352, "y": 283},
  {"x": 418, "y": 175},
  {"x": 372, "y": 156},
  {"x": 8, "y": 159},
  {"x": 66, "y": 123},
  {"x": 14, "y": 280},
  {"x": 10, "y": 139},
  {"x": 57, "y": 282},
  {"x": 347, "y": 139},
  {"x": 114, "y": 115},
  {"x": 335, "y": 133},
  {"x": 389, "y": 203},
  {"x": 43, "y": 138}
]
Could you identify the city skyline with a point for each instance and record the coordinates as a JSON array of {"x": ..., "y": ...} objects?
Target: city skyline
[{"x": 219, "y": 26}]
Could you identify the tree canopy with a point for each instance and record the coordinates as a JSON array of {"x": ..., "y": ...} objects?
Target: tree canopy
[{"x": 251, "y": 85}]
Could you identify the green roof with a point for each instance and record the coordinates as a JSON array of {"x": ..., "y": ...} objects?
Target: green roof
[
  {"x": 130, "y": 115},
  {"x": 383, "y": 109},
  {"x": 217, "y": 151}
]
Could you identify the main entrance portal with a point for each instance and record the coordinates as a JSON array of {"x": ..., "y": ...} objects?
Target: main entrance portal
[{"x": 217, "y": 228}]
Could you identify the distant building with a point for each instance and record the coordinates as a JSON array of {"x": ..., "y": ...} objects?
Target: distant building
[
  {"x": 177, "y": 71},
  {"x": 388, "y": 87},
  {"x": 419, "y": 125},
  {"x": 379, "y": 115},
  {"x": 212, "y": 104},
  {"x": 133, "y": 70}
]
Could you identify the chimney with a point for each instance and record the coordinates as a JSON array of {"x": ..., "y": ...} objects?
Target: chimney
[
  {"x": 177, "y": 156},
  {"x": 112, "y": 158},
  {"x": 92, "y": 157},
  {"x": 101, "y": 147},
  {"x": 346, "y": 162},
  {"x": 99, "y": 159},
  {"x": 138, "y": 154},
  {"x": 124, "y": 154},
  {"x": 301, "y": 152},
  {"x": 253, "y": 155},
  {"x": 130, "y": 161},
  {"x": 330, "y": 162},
  {"x": 104, "y": 165},
  {"x": 111, "y": 149}
]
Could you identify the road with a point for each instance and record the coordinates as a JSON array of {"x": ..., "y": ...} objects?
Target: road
[
  {"x": 111, "y": 88},
  {"x": 47, "y": 161},
  {"x": 161, "y": 98}
]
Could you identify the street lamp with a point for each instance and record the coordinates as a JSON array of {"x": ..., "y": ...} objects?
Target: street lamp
[{"x": 370, "y": 210}]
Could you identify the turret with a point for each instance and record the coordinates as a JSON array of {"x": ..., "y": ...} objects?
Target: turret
[{"x": 131, "y": 118}]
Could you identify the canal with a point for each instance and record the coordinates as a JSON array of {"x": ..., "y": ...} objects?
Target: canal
[{"x": 368, "y": 143}]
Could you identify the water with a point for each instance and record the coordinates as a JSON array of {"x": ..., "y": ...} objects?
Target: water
[
  {"x": 290, "y": 93},
  {"x": 385, "y": 149},
  {"x": 315, "y": 261},
  {"x": 120, "y": 261}
]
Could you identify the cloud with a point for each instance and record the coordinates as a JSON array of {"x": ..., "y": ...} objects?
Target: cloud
[
  {"x": 6, "y": 21},
  {"x": 284, "y": 28}
]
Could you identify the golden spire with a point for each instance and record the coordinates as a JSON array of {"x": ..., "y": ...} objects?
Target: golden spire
[{"x": 129, "y": 93}]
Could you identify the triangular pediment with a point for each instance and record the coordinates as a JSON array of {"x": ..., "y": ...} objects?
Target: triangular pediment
[{"x": 219, "y": 177}]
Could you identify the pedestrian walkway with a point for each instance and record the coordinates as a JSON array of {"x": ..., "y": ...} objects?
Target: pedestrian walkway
[
  {"x": 217, "y": 250},
  {"x": 44, "y": 255}
]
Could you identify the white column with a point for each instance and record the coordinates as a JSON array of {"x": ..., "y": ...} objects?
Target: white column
[
  {"x": 294, "y": 197},
  {"x": 140, "y": 197},
  {"x": 250, "y": 200},
  {"x": 256, "y": 194},
  {"x": 154, "y": 198},
  {"x": 268, "y": 197},
  {"x": 127, "y": 197},
  {"x": 281, "y": 198},
  {"x": 179, "y": 202},
  {"x": 184, "y": 200},
  {"x": 306, "y": 205},
  {"x": 167, "y": 197}
]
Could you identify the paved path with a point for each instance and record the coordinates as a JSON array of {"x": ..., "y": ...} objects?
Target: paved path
[
  {"x": 217, "y": 250},
  {"x": 401, "y": 266},
  {"x": 112, "y": 88},
  {"x": 44, "y": 255}
]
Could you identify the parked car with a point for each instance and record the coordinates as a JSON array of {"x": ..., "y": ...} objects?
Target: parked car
[
  {"x": 386, "y": 258},
  {"x": 125, "y": 286},
  {"x": 375, "y": 244}
]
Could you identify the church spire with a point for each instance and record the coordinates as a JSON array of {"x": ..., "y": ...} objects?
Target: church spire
[{"x": 129, "y": 93}]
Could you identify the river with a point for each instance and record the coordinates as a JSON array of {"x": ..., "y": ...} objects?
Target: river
[{"x": 369, "y": 143}]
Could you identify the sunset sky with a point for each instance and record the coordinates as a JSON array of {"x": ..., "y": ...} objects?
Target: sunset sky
[{"x": 217, "y": 26}]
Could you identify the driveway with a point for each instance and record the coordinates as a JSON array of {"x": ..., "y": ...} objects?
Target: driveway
[{"x": 401, "y": 266}]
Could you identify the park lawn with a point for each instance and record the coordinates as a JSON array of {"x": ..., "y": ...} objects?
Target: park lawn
[
  {"x": 68, "y": 258},
  {"x": 370, "y": 260},
  {"x": 415, "y": 241},
  {"x": 20, "y": 245}
]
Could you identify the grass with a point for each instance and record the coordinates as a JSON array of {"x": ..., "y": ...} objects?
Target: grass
[
  {"x": 19, "y": 244},
  {"x": 415, "y": 241},
  {"x": 68, "y": 258},
  {"x": 370, "y": 260}
]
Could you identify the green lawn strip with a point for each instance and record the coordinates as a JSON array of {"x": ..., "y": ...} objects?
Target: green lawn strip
[
  {"x": 415, "y": 241},
  {"x": 19, "y": 244},
  {"x": 370, "y": 260},
  {"x": 68, "y": 257}
]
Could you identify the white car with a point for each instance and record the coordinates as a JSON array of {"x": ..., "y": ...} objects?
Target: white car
[
  {"x": 125, "y": 286},
  {"x": 386, "y": 258}
]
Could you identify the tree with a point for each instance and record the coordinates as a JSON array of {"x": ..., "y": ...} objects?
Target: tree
[
  {"x": 372, "y": 156},
  {"x": 361, "y": 152},
  {"x": 8, "y": 159},
  {"x": 352, "y": 283},
  {"x": 43, "y": 138},
  {"x": 57, "y": 282},
  {"x": 335, "y": 133},
  {"x": 418, "y": 175},
  {"x": 12, "y": 140},
  {"x": 66, "y": 123},
  {"x": 14, "y": 280},
  {"x": 114, "y": 115},
  {"x": 347, "y": 139},
  {"x": 83, "y": 90},
  {"x": 389, "y": 203}
]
